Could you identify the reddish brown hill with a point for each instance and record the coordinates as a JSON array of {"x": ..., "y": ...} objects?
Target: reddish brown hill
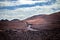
[
  {"x": 36, "y": 19},
  {"x": 14, "y": 24},
  {"x": 36, "y": 16},
  {"x": 54, "y": 20},
  {"x": 45, "y": 21}
]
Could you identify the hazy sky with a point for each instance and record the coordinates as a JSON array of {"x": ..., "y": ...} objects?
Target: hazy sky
[{"x": 22, "y": 9}]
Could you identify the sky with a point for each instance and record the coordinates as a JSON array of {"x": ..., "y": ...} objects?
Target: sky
[{"x": 22, "y": 9}]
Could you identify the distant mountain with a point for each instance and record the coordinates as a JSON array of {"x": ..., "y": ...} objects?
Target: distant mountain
[
  {"x": 4, "y": 20},
  {"x": 15, "y": 20}
]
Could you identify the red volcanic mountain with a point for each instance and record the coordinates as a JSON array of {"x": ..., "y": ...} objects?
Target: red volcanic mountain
[
  {"x": 54, "y": 20},
  {"x": 51, "y": 21},
  {"x": 36, "y": 19},
  {"x": 37, "y": 16}
]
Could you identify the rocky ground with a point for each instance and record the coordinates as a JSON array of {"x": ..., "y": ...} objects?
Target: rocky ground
[{"x": 30, "y": 35}]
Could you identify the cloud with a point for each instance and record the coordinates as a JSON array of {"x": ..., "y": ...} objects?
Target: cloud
[
  {"x": 2, "y": 0},
  {"x": 12, "y": 0},
  {"x": 29, "y": 5},
  {"x": 26, "y": 2},
  {"x": 7, "y": 0}
]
